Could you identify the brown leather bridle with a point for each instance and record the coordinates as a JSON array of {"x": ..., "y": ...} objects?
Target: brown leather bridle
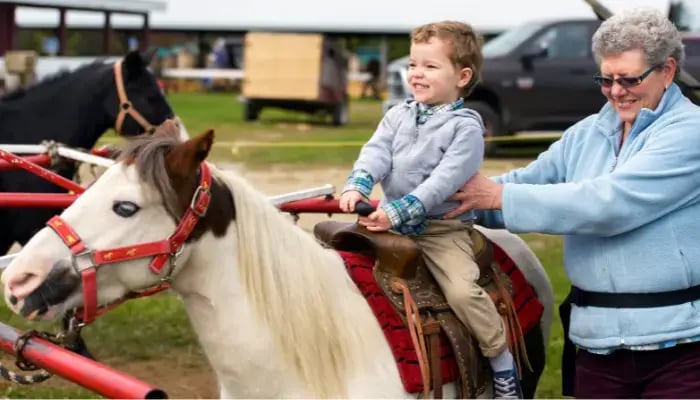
[
  {"x": 125, "y": 106},
  {"x": 86, "y": 261}
]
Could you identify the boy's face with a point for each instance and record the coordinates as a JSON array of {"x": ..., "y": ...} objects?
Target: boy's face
[{"x": 432, "y": 76}]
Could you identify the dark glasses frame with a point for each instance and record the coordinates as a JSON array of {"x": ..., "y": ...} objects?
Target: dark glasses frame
[{"x": 624, "y": 81}]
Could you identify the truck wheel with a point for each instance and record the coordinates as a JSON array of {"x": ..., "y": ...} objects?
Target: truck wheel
[
  {"x": 251, "y": 111},
  {"x": 492, "y": 123},
  {"x": 341, "y": 114}
]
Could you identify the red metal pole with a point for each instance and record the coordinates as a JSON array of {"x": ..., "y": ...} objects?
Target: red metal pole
[
  {"x": 321, "y": 206},
  {"x": 36, "y": 200},
  {"x": 41, "y": 172},
  {"x": 42, "y": 159},
  {"x": 85, "y": 372}
]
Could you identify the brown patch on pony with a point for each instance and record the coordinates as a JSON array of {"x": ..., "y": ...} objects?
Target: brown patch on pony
[{"x": 172, "y": 167}]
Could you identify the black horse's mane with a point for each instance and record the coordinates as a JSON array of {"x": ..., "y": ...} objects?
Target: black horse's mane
[{"x": 53, "y": 78}]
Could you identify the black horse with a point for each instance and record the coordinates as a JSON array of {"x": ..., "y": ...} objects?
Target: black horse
[{"x": 74, "y": 109}]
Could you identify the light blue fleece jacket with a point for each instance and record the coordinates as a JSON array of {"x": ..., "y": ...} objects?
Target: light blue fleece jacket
[
  {"x": 630, "y": 217},
  {"x": 430, "y": 161}
]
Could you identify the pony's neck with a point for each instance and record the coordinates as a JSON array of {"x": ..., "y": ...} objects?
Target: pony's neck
[
  {"x": 238, "y": 347},
  {"x": 244, "y": 349}
]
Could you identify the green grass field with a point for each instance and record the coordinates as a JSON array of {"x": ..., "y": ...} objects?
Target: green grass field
[{"x": 157, "y": 329}]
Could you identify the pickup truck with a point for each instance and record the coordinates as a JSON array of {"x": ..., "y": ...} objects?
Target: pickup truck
[{"x": 537, "y": 76}]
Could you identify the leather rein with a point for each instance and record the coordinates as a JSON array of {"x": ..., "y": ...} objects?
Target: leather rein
[
  {"x": 86, "y": 261},
  {"x": 125, "y": 106}
]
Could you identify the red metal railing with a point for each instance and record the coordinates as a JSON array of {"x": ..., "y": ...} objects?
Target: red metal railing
[
  {"x": 42, "y": 172},
  {"x": 35, "y": 164},
  {"x": 41, "y": 159},
  {"x": 90, "y": 374}
]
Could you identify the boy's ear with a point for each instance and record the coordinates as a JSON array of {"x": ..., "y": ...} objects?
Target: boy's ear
[{"x": 465, "y": 76}]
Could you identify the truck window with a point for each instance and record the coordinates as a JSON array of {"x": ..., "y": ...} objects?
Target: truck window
[
  {"x": 692, "y": 46},
  {"x": 564, "y": 41},
  {"x": 506, "y": 42}
]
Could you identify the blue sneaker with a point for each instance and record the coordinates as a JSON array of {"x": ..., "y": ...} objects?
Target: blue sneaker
[{"x": 506, "y": 385}]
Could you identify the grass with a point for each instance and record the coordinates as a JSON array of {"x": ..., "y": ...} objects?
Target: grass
[{"x": 157, "y": 327}]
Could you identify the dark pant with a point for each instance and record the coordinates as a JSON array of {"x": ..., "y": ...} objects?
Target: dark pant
[{"x": 666, "y": 373}]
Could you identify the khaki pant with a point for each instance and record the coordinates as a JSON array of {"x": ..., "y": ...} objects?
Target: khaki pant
[{"x": 447, "y": 249}]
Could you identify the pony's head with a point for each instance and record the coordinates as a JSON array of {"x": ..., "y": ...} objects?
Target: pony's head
[
  {"x": 136, "y": 102},
  {"x": 121, "y": 236}
]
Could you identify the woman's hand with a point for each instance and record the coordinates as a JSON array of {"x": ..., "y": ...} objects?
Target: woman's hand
[
  {"x": 479, "y": 193},
  {"x": 349, "y": 199},
  {"x": 378, "y": 221}
]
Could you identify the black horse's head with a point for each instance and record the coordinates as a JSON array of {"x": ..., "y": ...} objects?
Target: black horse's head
[{"x": 136, "y": 103}]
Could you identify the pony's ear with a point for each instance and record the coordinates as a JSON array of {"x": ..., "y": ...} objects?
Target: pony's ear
[
  {"x": 185, "y": 157},
  {"x": 134, "y": 64},
  {"x": 203, "y": 144}
]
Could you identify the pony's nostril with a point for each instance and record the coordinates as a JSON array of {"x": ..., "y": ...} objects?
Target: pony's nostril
[{"x": 13, "y": 300}]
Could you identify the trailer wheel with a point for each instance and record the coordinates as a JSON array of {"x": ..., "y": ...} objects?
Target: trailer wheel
[
  {"x": 251, "y": 111},
  {"x": 341, "y": 114},
  {"x": 492, "y": 123}
]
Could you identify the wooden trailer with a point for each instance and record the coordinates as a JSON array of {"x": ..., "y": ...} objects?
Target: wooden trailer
[{"x": 303, "y": 72}]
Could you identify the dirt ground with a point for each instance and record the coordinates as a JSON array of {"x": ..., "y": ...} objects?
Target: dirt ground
[{"x": 187, "y": 375}]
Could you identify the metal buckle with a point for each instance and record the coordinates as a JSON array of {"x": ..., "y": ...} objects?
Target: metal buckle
[
  {"x": 172, "y": 264},
  {"x": 81, "y": 266},
  {"x": 201, "y": 190}
]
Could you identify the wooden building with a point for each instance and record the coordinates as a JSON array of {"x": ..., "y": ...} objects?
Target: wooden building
[{"x": 142, "y": 8}]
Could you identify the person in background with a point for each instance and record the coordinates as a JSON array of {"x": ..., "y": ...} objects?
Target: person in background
[
  {"x": 372, "y": 84},
  {"x": 418, "y": 153},
  {"x": 622, "y": 187}
]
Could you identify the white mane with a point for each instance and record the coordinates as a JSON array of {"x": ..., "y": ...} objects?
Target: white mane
[{"x": 289, "y": 280}]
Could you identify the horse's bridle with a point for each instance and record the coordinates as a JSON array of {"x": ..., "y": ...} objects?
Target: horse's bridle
[
  {"x": 125, "y": 106},
  {"x": 86, "y": 261}
]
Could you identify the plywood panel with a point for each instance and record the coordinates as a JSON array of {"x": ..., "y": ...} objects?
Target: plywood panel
[{"x": 282, "y": 66}]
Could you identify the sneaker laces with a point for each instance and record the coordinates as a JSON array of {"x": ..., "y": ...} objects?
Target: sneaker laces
[{"x": 505, "y": 388}]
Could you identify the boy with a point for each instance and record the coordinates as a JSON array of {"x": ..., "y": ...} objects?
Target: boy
[{"x": 422, "y": 152}]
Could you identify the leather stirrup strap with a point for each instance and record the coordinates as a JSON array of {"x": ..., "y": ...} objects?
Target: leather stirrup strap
[
  {"x": 415, "y": 328},
  {"x": 431, "y": 329},
  {"x": 516, "y": 341}
]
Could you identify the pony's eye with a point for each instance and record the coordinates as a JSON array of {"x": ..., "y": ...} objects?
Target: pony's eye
[{"x": 125, "y": 208}]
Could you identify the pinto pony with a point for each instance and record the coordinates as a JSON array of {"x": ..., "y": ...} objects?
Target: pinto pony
[{"x": 275, "y": 312}]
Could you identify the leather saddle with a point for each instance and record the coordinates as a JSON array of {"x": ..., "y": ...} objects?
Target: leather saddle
[{"x": 399, "y": 264}]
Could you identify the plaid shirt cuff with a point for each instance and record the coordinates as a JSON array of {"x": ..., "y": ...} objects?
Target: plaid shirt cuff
[
  {"x": 407, "y": 215},
  {"x": 361, "y": 181}
]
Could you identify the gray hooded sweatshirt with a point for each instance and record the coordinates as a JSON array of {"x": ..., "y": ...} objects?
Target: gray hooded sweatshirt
[{"x": 429, "y": 161}]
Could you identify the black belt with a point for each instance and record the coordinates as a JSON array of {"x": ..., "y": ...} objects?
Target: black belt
[{"x": 584, "y": 298}]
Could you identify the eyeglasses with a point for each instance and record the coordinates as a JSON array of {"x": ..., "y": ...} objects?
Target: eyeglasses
[{"x": 624, "y": 81}]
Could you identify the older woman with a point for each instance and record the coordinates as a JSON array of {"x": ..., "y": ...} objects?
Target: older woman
[{"x": 623, "y": 187}]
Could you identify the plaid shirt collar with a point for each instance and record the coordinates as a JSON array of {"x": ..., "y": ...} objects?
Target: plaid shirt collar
[{"x": 425, "y": 111}]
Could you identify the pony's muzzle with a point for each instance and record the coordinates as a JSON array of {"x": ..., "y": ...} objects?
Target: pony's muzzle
[{"x": 31, "y": 296}]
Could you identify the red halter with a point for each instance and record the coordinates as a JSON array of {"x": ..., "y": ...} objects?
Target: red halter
[
  {"x": 125, "y": 106},
  {"x": 86, "y": 261}
]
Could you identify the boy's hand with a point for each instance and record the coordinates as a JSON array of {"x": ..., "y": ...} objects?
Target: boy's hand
[
  {"x": 378, "y": 221},
  {"x": 349, "y": 199}
]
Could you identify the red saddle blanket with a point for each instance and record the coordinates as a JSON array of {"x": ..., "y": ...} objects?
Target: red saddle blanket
[{"x": 360, "y": 267}]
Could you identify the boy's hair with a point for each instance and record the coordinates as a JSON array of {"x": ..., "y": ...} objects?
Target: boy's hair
[{"x": 464, "y": 42}]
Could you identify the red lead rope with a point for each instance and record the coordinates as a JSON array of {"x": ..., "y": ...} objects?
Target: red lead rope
[{"x": 86, "y": 261}]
